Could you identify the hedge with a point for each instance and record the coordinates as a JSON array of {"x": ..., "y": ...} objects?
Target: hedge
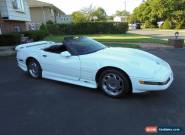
[
  {"x": 13, "y": 39},
  {"x": 10, "y": 39},
  {"x": 35, "y": 35},
  {"x": 88, "y": 28}
]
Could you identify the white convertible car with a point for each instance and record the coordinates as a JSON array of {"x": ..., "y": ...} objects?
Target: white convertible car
[{"x": 86, "y": 62}]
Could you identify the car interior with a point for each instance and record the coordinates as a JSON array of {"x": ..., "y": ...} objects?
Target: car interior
[{"x": 56, "y": 48}]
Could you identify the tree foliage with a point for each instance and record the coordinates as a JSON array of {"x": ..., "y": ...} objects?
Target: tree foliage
[
  {"x": 89, "y": 14},
  {"x": 122, "y": 13},
  {"x": 100, "y": 14},
  {"x": 78, "y": 17}
]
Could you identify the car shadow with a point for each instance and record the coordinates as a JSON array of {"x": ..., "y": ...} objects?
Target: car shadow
[{"x": 95, "y": 92}]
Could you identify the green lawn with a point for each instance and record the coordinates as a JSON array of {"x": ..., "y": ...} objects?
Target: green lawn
[
  {"x": 121, "y": 45},
  {"x": 127, "y": 38}
]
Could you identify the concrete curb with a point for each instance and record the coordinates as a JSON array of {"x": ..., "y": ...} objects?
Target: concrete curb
[{"x": 7, "y": 50}]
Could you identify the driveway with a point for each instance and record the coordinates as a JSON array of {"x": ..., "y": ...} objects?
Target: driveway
[{"x": 45, "y": 107}]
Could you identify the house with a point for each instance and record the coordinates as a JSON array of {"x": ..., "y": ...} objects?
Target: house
[
  {"x": 42, "y": 12},
  {"x": 65, "y": 19},
  {"x": 13, "y": 15},
  {"x": 120, "y": 19}
]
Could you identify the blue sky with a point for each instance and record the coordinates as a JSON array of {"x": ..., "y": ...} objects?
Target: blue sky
[{"x": 110, "y": 6}]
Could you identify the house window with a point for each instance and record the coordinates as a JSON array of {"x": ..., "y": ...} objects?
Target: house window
[{"x": 18, "y": 5}]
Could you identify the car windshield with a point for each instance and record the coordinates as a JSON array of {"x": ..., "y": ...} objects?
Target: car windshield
[{"x": 84, "y": 45}]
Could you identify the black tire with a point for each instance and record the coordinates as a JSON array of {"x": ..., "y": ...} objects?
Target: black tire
[
  {"x": 34, "y": 69},
  {"x": 114, "y": 83}
]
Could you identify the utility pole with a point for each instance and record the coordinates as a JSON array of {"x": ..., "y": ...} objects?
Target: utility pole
[{"x": 125, "y": 5}]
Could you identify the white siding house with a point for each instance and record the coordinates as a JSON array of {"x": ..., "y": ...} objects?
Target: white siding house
[
  {"x": 65, "y": 19},
  {"x": 42, "y": 12},
  {"x": 120, "y": 19}
]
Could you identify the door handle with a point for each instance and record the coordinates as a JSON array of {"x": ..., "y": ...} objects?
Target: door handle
[{"x": 44, "y": 55}]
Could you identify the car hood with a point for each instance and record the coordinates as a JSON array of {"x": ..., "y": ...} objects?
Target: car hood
[{"x": 138, "y": 59}]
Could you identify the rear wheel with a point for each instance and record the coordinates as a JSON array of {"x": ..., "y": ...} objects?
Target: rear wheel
[
  {"x": 114, "y": 83},
  {"x": 34, "y": 69}
]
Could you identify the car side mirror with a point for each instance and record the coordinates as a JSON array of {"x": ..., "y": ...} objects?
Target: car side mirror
[{"x": 65, "y": 54}]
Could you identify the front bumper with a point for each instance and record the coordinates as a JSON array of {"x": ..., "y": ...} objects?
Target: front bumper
[{"x": 138, "y": 87}]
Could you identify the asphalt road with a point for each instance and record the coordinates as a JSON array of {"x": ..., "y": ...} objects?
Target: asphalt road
[{"x": 45, "y": 107}]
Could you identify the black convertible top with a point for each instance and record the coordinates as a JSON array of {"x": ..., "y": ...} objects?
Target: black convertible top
[{"x": 72, "y": 38}]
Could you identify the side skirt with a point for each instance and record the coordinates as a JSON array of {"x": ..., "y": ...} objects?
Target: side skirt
[{"x": 75, "y": 82}]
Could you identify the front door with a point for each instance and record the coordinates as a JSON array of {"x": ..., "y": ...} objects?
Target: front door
[{"x": 61, "y": 67}]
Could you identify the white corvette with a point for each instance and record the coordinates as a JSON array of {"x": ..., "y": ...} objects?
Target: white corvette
[{"x": 86, "y": 62}]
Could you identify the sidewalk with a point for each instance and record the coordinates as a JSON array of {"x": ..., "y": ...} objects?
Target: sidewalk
[{"x": 158, "y": 33}]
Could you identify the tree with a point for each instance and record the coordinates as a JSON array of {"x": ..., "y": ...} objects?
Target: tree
[
  {"x": 122, "y": 13},
  {"x": 178, "y": 19},
  {"x": 88, "y": 12},
  {"x": 94, "y": 14},
  {"x": 78, "y": 17},
  {"x": 100, "y": 14}
]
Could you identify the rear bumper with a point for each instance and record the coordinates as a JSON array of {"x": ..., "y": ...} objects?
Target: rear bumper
[{"x": 138, "y": 87}]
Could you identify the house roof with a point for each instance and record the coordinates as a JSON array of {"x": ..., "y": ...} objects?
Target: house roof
[{"x": 36, "y": 3}]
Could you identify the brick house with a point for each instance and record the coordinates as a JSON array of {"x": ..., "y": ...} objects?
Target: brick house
[{"x": 13, "y": 15}]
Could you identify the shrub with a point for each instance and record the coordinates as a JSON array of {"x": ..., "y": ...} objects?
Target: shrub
[
  {"x": 49, "y": 22},
  {"x": 10, "y": 39},
  {"x": 148, "y": 24},
  {"x": 53, "y": 29},
  {"x": 43, "y": 28},
  {"x": 166, "y": 25},
  {"x": 36, "y": 35},
  {"x": 88, "y": 28},
  {"x": 180, "y": 25}
]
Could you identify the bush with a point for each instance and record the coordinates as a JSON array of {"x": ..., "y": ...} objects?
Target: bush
[
  {"x": 166, "y": 25},
  {"x": 13, "y": 39},
  {"x": 180, "y": 25},
  {"x": 49, "y": 22},
  {"x": 36, "y": 35},
  {"x": 148, "y": 24},
  {"x": 43, "y": 28},
  {"x": 88, "y": 28},
  {"x": 10, "y": 39}
]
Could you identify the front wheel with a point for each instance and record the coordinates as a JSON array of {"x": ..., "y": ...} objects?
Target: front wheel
[
  {"x": 34, "y": 69},
  {"x": 114, "y": 83}
]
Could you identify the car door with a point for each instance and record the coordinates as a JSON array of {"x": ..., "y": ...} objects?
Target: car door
[{"x": 56, "y": 65}]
